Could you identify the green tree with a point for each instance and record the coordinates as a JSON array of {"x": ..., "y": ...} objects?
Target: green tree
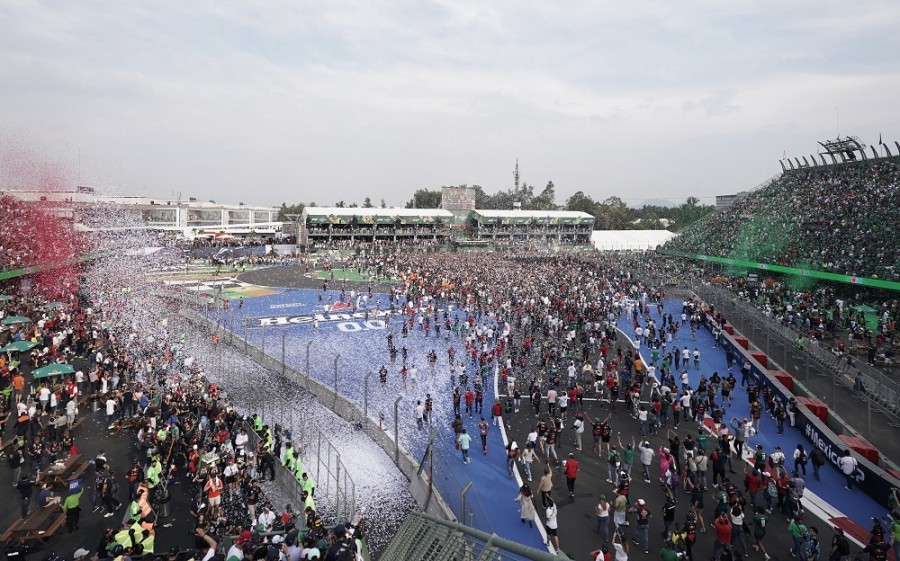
[
  {"x": 547, "y": 199},
  {"x": 286, "y": 210},
  {"x": 689, "y": 212},
  {"x": 367, "y": 203},
  {"x": 425, "y": 198}
]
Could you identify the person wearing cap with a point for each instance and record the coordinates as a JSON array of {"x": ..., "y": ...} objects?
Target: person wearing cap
[
  {"x": 81, "y": 554},
  {"x": 642, "y": 527},
  {"x": 236, "y": 551},
  {"x": 570, "y": 467},
  {"x": 602, "y": 511}
]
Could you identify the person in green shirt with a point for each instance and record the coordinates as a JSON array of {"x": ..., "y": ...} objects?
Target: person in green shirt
[
  {"x": 72, "y": 507},
  {"x": 257, "y": 423},
  {"x": 895, "y": 534},
  {"x": 627, "y": 455},
  {"x": 702, "y": 439},
  {"x": 298, "y": 465},
  {"x": 759, "y": 530},
  {"x": 798, "y": 533},
  {"x": 308, "y": 485},
  {"x": 668, "y": 552},
  {"x": 287, "y": 456}
]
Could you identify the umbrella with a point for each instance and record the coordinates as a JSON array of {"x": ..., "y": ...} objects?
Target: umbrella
[
  {"x": 11, "y": 320},
  {"x": 5, "y": 297},
  {"x": 863, "y": 308},
  {"x": 55, "y": 305},
  {"x": 53, "y": 370},
  {"x": 18, "y": 346}
]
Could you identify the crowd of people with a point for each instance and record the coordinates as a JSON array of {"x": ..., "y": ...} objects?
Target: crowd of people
[{"x": 838, "y": 219}]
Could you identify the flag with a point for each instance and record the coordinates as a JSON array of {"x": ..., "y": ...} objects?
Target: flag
[
  {"x": 784, "y": 156},
  {"x": 879, "y": 139}
]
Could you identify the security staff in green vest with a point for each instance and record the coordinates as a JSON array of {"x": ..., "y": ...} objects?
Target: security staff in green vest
[
  {"x": 308, "y": 485},
  {"x": 154, "y": 472},
  {"x": 268, "y": 437},
  {"x": 147, "y": 541},
  {"x": 298, "y": 465},
  {"x": 134, "y": 509},
  {"x": 257, "y": 423},
  {"x": 287, "y": 457}
]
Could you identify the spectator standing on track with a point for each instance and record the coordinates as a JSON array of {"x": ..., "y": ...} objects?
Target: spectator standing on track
[
  {"x": 526, "y": 506},
  {"x": 602, "y": 511},
  {"x": 551, "y": 524},
  {"x": 642, "y": 525},
  {"x": 817, "y": 459},
  {"x": 464, "y": 440},
  {"x": 545, "y": 486},
  {"x": 571, "y": 470},
  {"x": 483, "y": 428},
  {"x": 848, "y": 465},
  {"x": 723, "y": 535},
  {"x": 798, "y": 533}
]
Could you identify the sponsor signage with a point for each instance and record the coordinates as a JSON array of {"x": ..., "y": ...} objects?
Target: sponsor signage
[
  {"x": 870, "y": 478},
  {"x": 370, "y": 318}
]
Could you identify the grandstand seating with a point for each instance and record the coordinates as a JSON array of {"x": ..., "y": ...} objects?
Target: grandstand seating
[{"x": 840, "y": 219}]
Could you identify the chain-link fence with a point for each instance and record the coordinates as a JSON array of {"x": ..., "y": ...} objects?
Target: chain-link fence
[
  {"x": 835, "y": 379},
  {"x": 280, "y": 405}
]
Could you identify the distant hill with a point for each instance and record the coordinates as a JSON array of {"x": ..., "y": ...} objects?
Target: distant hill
[{"x": 657, "y": 202}]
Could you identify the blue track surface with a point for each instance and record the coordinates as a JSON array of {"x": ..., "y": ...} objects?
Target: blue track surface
[
  {"x": 363, "y": 348},
  {"x": 855, "y": 505}
]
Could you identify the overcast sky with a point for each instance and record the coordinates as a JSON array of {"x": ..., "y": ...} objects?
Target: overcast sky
[{"x": 287, "y": 100}]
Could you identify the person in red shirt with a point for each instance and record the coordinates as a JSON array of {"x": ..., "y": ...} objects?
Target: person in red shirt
[
  {"x": 723, "y": 535},
  {"x": 497, "y": 413},
  {"x": 470, "y": 399},
  {"x": 571, "y": 468},
  {"x": 213, "y": 490}
]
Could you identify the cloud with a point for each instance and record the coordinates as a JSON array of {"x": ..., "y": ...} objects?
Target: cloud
[{"x": 288, "y": 100}]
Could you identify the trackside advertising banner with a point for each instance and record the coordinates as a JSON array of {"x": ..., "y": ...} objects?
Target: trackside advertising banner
[{"x": 873, "y": 480}]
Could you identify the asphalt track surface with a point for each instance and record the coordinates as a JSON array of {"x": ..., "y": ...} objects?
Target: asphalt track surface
[{"x": 576, "y": 515}]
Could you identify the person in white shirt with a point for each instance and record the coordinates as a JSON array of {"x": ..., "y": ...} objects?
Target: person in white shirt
[
  {"x": 848, "y": 465},
  {"x": 241, "y": 440},
  {"x": 551, "y": 524}
]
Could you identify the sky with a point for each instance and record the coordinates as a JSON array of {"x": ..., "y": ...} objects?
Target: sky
[{"x": 295, "y": 101}]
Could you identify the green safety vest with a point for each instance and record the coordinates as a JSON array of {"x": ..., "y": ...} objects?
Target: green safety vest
[{"x": 287, "y": 457}]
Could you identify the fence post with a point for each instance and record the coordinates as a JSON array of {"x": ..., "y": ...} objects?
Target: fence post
[
  {"x": 263, "y": 344},
  {"x": 283, "y": 366},
  {"x": 336, "y": 359},
  {"x": 462, "y": 503},
  {"x": 245, "y": 337},
  {"x": 397, "y": 430},
  {"x": 337, "y": 487},
  {"x": 366, "y": 401},
  {"x": 308, "y": 345}
]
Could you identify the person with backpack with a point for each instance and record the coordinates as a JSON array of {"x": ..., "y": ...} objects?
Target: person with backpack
[
  {"x": 817, "y": 458},
  {"x": 798, "y": 533},
  {"x": 800, "y": 460},
  {"x": 840, "y": 545}
]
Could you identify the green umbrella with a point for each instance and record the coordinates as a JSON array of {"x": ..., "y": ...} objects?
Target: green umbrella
[
  {"x": 55, "y": 305},
  {"x": 53, "y": 370},
  {"x": 5, "y": 297},
  {"x": 863, "y": 308},
  {"x": 18, "y": 346},
  {"x": 11, "y": 320}
]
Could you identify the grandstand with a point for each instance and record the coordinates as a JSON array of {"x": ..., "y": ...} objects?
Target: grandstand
[
  {"x": 549, "y": 226},
  {"x": 629, "y": 240},
  {"x": 838, "y": 218},
  {"x": 329, "y": 227}
]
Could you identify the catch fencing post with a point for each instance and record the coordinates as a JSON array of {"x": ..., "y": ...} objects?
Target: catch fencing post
[
  {"x": 462, "y": 503},
  {"x": 308, "y": 345},
  {"x": 366, "y": 400},
  {"x": 336, "y": 359},
  {"x": 283, "y": 366},
  {"x": 397, "y": 430}
]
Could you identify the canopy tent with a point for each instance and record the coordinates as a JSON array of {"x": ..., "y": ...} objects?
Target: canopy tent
[
  {"x": 13, "y": 320},
  {"x": 18, "y": 346},
  {"x": 629, "y": 240},
  {"x": 866, "y": 309},
  {"x": 5, "y": 297},
  {"x": 53, "y": 370}
]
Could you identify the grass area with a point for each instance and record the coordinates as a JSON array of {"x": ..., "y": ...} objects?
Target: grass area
[{"x": 345, "y": 274}]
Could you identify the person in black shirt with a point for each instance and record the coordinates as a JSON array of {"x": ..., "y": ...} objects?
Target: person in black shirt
[
  {"x": 878, "y": 551},
  {"x": 26, "y": 488}
]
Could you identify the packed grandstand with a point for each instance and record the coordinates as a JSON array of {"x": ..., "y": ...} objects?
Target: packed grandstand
[{"x": 198, "y": 375}]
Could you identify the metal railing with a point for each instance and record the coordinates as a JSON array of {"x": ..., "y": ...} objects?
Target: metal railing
[
  {"x": 427, "y": 538},
  {"x": 778, "y": 339}
]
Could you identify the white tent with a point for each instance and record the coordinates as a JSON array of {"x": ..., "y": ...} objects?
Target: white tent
[{"x": 629, "y": 240}]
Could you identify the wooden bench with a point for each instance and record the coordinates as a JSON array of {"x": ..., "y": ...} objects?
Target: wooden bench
[
  {"x": 79, "y": 471},
  {"x": 7, "y": 536},
  {"x": 51, "y": 530}
]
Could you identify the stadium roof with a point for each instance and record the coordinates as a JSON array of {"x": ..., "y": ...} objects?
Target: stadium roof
[
  {"x": 346, "y": 215},
  {"x": 532, "y": 213},
  {"x": 629, "y": 240},
  {"x": 360, "y": 211}
]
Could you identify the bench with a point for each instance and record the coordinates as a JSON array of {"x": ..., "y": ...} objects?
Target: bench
[
  {"x": 126, "y": 424},
  {"x": 52, "y": 529},
  {"x": 79, "y": 471},
  {"x": 7, "y": 536}
]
